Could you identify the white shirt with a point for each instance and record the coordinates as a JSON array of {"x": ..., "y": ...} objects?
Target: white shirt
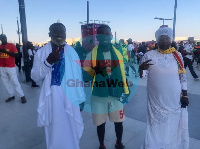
[
  {"x": 21, "y": 50},
  {"x": 130, "y": 47},
  {"x": 188, "y": 48},
  {"x": 31, "y": 53}
]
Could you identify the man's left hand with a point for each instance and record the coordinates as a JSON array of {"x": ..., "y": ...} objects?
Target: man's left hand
[
  {"x": 184, "y": 102},
  {"x": 124, "y": 98}
]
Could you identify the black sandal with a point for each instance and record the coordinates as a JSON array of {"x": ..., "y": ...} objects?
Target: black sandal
[
  {"x": 23, "y": 100},
  {"x": 10, "y": 99}
]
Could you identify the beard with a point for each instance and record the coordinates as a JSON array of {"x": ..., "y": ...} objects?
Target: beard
[{"x": 58, "y": 42}]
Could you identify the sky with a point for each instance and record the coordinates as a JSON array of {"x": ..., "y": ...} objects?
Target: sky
[{"x": 129, "y": 18}]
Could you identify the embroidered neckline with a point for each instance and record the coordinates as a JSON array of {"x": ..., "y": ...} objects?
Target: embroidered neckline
[{"x": 176, "y": 56}]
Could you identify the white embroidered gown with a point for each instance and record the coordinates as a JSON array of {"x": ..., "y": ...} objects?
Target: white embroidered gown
[{"x": 167, "y": 122}]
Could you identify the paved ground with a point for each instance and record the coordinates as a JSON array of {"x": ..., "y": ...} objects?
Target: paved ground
[{"x": 18, "y": 122}]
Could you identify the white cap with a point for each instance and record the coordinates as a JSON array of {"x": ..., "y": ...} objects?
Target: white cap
[{"x": 164, "y": 31}]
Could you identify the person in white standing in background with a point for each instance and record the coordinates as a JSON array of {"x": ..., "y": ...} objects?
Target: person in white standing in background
[
  {"x": 131, "y": 60},
  {"x": 188, "y": 58},
  {"x": 31, "y": 53}
]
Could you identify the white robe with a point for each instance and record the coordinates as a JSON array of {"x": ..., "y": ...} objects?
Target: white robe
[
  {"x": 167, "y": 122},
  {"x": 58, "y": 108}
]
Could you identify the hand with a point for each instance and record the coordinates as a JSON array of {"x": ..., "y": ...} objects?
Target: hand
[
  {"x": 184, "y": 102},
  {"x": 124, "y": 98},
  {"x": 145, "y": 65},
  {"x": 54, "y": 56},
  {"x": 3, "y": 50},
  {"x": 98, "y": 68}
]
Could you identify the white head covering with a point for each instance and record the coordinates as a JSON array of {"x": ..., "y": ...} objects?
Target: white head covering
[{"x": 164, "y": 31}]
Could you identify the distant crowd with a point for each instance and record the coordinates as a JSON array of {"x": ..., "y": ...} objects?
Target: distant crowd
[{"x": 134, "y": 54}]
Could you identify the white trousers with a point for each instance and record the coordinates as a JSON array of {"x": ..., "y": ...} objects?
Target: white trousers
[{"x": 10, "y": 81}]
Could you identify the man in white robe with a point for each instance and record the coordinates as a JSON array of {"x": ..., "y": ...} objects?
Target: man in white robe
[
  {"x": 58, "y": 108},
  {"x": 167, "y": 118}
]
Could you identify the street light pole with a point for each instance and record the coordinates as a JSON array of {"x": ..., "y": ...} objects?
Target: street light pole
[
  {"x": 24, "y": 38},
  {"x": 163, "y": 19},
  {"x": 1, "y": 28},
  {"x": 88, "y": 13},
  {"x": 174, "y": 23}
]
